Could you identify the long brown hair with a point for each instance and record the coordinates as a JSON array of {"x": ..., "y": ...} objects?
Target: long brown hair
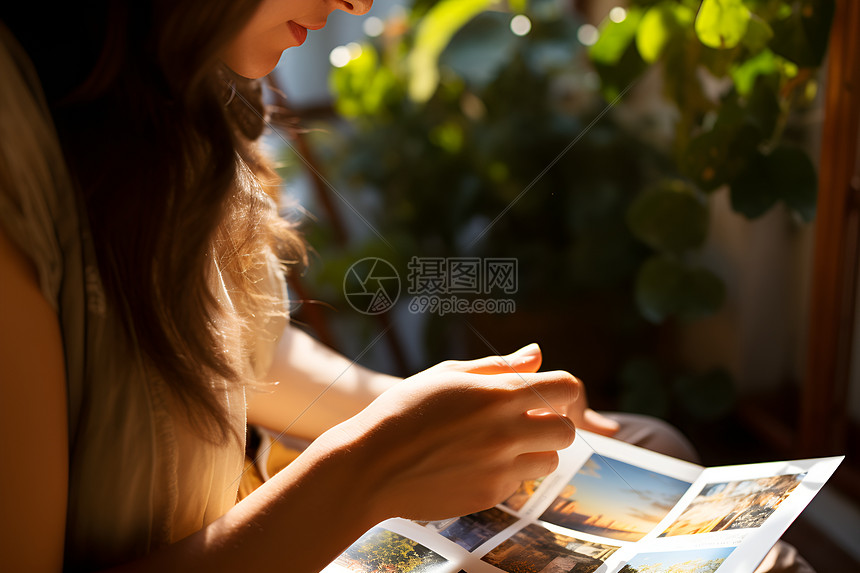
[{"x": 138, "y": 95}]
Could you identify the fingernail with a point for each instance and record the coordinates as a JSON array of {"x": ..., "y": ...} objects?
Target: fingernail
[{"x": 531, "y": 350}]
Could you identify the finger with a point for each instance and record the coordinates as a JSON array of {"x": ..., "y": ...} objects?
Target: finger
[
  {"x": 553, "y": 391},
  {"x": 598, "y": 423},
  {"x": 526, "y": 359},
  {"x": 535, "y": 464},
  {"x": 543, "y": 432}
]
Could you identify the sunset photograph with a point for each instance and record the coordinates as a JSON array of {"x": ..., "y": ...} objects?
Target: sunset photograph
[
  {"x": 614, "y": 499},
  {"x": 523, "y": 494}
]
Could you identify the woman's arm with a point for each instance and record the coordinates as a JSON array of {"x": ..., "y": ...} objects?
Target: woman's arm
[
  {"x": 311, "y": 376},
  {"x": 316, "y": 389},
  {"x": 34, "y": 480},
  {"x": 33, "y": 426},
  {"x": 454, "y": 439}
]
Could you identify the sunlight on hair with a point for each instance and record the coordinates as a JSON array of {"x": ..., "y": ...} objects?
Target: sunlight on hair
[
  {"x": 373, "y": 26},
  {"x": 617, "y": 14},
  {"x": 339, "y": 57},
  {"x": 521, "y": 25},
  {"x": 587, "y": 35}
]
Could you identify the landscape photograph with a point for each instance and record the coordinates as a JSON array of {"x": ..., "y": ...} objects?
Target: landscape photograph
[
  {"x": 380, "y": 550},
  {"x": 535, "y": 549},
  {"x": 523, "y": 494},
  {"x": 475, "y": 529},
  {"x": 610, "y": 498},
  {"x": 730, "y": 505},
  {"x": 692, "y": 561}
]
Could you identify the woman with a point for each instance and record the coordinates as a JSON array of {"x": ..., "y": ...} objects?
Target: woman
[
  {"x": 144, "y": 324},
  {"x": 143, "y": 303}
]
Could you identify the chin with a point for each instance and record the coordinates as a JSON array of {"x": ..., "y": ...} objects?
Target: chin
[{"x": 255, "y": 68}]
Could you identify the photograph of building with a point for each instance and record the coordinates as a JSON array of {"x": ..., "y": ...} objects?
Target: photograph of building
[
  {"x": 614, "y": 499},
  {"x": 535, "y": 549},
  {"x": 734, "y": 505},
  {"x": 473, "y": 530}
]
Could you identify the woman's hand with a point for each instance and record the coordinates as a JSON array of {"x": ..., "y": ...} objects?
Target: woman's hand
[
  {"x": 454, "y": 439},
  {"x": 461, "y": 436},
  {"x": 578, "y": 411}
]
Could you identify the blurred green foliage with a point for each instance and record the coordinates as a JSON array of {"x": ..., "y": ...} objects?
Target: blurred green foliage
[
  {"x": 734, "y": 70},
  {"x": 462, "y": 138}
]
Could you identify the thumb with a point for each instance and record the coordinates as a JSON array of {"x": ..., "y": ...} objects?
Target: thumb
[{"x": 526, "y": 359}]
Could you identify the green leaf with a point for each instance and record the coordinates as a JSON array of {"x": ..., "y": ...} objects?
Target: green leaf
[
  {"x": 703, "y": 295},
  {"x": 786, "y": 174},
  {"x": 436, "y": 29},
  {"x": 657, "y": 287},
  {"x": 481, "y": 48},
  {"x": 615, "y": 38},
  {"x": 716, "y": 157},
  {"x": 669, "y": 217},
  {"x": 758, "y": 34},
  {"x": 763, "y": 108},
  {"x": 754, "y": 191},
  {"x": 798, "y": 178},
  {"x": 448, "y": 136},
  {"x": 722, "y": 23},
  {"x": 614, "y": 78},
  {"x": 718, "y": 62},
  {"x": 362, "y": 86},
  {"x": 762, "y": 64},
  {"x": 681, "y": 84},
  {"x": 518, "y": 6},
  {"x": 708, "y": 396},
  {"x": 665, "y": 287},
  {"x": 802, "y": 37},
  {"x": 658, "y": 27}
]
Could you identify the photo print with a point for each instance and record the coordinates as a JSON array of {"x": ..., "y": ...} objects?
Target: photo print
[
  {"x": 535, "y": 549},
  {"x": 691, "y": 561},
  {"x": 610, "y": 498},
  {"x": 382, "y": 550},
  {"x": 471, "y": 531},
  {"x": 741, "y": 504},
  {"x": 523, "y": 494}
]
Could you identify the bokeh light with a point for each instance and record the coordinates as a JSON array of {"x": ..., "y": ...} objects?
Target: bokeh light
[
  {"x": 339, "y": 57},
  {"x": 521, "y": 25},
  {"x": 587, "y": 35},
  {"x": 354, "y": 49},
  {"x": 373, "y": 26},
  {"x": 617, "y": 14}
]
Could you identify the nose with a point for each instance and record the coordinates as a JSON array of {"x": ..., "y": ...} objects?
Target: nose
[{"x": 355, "y": 7}]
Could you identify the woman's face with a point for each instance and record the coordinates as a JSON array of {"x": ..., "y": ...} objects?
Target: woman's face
[{"x": 277, "y": 25}]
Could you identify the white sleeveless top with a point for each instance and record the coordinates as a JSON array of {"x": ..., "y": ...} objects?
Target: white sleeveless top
[{"x": 139, "y": 477}]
